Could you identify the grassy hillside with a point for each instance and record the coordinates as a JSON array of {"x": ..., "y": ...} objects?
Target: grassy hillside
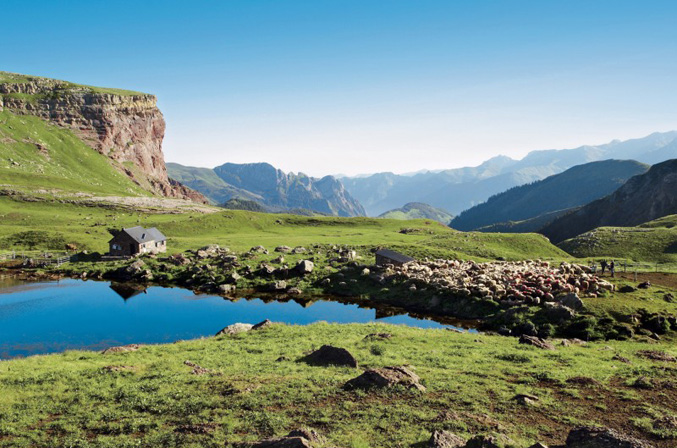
[
  {"x": 418, "y": 210},
  {"x": 240, "y": 230},
  {"x": 151, "y": 398},
  {"x": 35, "y": 154},
  {"x": 16, "y": 78},
  {"x": 655, "y": 241}
]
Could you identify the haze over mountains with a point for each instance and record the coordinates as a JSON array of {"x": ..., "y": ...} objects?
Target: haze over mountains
[
  {"x": 458, "y": 189},
  {"x": 271, "y": 187},
  {"x": 573, "y": 188},
  {"x": 643, "y": 198}
]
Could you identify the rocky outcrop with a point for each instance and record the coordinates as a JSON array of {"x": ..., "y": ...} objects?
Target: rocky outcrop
[{"x": 124, "y": 126}]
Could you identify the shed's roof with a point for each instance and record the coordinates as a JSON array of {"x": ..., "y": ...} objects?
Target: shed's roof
[
  {"x": 395, "y": 256},
  {"x": 141, "y": 235}
]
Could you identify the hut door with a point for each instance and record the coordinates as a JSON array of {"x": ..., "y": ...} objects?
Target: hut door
[{"x": 131, "y": 249}]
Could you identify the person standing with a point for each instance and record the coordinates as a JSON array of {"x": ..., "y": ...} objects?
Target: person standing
[
  {"x": 603, "y": 264},
  {"x": 612, "y": 268}
]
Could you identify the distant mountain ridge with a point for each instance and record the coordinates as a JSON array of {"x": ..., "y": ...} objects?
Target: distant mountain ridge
[
  {"x": 418, "y": 210},
  {"x": 643, "y": 198},
  {"x": 572, "y": 188},
  {"x": 458, "y": 189},
  {"x": 271, "y": 187}
]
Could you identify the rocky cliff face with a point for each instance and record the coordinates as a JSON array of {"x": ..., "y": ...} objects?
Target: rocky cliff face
[
  {"x": 125, "y": 126},
  {"x": 643, "y": 198}
]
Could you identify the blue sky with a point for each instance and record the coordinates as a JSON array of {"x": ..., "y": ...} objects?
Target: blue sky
[{"x": 343, "y": 86}]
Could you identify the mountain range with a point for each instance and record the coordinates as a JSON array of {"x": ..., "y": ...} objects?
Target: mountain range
[
  {"x": 575, "y": 187},
  {"x": 458, "y": 189},
  {"x": 271, "y": 187},
  {"x": 643, "y": 198}
]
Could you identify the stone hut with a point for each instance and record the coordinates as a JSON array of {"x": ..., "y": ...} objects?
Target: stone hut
[
  {"x": 137, "y": 240},
  {"x": 387, "y": 256}
]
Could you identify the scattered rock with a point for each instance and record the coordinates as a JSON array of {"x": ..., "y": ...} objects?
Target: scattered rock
[
  {"x": 282, "y": 359},
  {"x": 583, "y": 381},
  {"x": 538, "y": 445},
  {"x": 525, "y": 400},
  {"x": 299, "y": 250},
  {"x": 235, "y": 329},
  {"x": 122, "y": 349},
  {"x": 304, "y": 267},
  {"x": 225, "y": 289},
  {"x": 279, "y": 285},
  {"x": 298, "y": 438},
  {"x": 197, "y": 370},
  {"x": 656, "y": 355},
  {"x": 196, "y": 428},
  {"x": 118, "y": 368},
  {"x": 571, "y": 300},
  {"x": 283, "y": 249},
  {"x": 294, "y": 291},
  {"x": 258, "y": 250},
  {"x": 667, "y": 423},
  {"x": 590, "y": 437},
  {"x": 621, "y": 359},
  {"x": 643, "y": 382},
  {"x": 380, "y": 336},
  {"x": 482, "y": 442},
  {"x": 644, "y": 285},
  {"x": 262, "y": 325},
  {"x": 445, "y": 439},
  {"x": 385, "y": 377},
  {"x": 328, "y": 355},
  {"x": 669, "y": 298},
  {"x": 627, "y": 289},
  {"x": 536, "y": 342}
]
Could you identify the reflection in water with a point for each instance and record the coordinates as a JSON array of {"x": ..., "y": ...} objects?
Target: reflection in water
[
  {"x": 128, "y": 290},
  {"x": 73, "y": 314}
]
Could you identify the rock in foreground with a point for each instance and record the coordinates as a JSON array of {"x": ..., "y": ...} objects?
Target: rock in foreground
[{"x": 385, "y": 377}]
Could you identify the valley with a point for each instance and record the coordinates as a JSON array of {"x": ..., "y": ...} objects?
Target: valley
[{"x": 281, "y": 264}]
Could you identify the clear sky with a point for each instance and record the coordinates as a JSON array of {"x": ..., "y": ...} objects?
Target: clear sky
[{"x": 357, "y": 86}]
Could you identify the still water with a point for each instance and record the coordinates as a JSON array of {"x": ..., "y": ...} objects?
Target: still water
[{"x": 48, "y": 317}]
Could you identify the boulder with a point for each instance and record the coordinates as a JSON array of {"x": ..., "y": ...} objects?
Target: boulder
[
  {"x": 525, "y": 400},
  {"x": 258, "y": 250},
  {"x": 627, "y": 289},
  {"x": 385, "y": 377},
  {"x": 225, "y": 289},
  {"x": 121, "y": 349},
  {"x": 304, "y": 267},
  {"x": 299, "y": 250},
  {"x": 294, "y": 291},
  {"x": 328, "y": 355},
  {"x": 279, "y": 285},
  {"x": 591, "y": 437},
  {"x": 283, "y": 249},
  {"x": 571, "y": 300},
  {"x": 445, "y": 439},
  {"x": 298, "y": 438},
  {"x": 536, "y": 342},
  {"x": 235, "y": 329},
  {"x": 644, "y": 285},
  {"x": 538, "y": 445},
  {"x": 482, "y": 442},
  {"x": 261, "y": 325}
]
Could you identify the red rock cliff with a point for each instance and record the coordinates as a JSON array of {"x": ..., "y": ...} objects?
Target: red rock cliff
[{"x": 125, "y": 126}]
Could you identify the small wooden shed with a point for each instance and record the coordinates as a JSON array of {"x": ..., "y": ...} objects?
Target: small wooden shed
[
  {"x": 387, "y": 256},
  {"x": 137, "y": 240}
]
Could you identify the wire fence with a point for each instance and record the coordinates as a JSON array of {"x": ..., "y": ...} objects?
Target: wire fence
[{"x": 37, "y": 258}]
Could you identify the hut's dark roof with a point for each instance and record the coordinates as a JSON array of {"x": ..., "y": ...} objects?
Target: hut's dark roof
[
  {"x": 141, "y": 235},
  {"x": 395, "y": 256}
]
